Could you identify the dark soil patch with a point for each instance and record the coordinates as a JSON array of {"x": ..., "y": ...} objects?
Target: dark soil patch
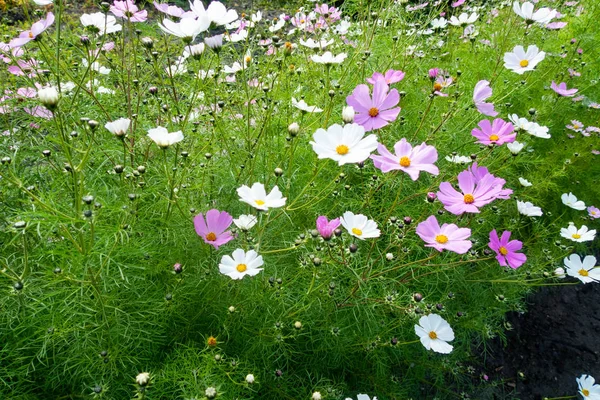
[{"x": 556, "y": 341}]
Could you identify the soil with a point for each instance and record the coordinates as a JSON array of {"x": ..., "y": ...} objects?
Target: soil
[{"x": 556, "y": 341}]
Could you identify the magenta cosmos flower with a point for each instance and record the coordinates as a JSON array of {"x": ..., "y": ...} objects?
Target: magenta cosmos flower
[
  {"x": 498, "y": 132},
  {"x": 391, "y": 76},
  {"x": 213, "y": 230},
  {"x": 128, "y": 10},
  {"x": 506, "y": 251},
  {"x": 376, "y": 112},
  {"x": 480, "y": 172},
  {"x": 447, "y": 237},
  {"x": 326, "y": 227},
  {"x": 34, "y": 32},
  {"x": 562, "y": 90},
  {"x": 408, "y": 159},
  {"x": 593, "y": 212},
  {"x": 482, "y": 92},
  {"x": 476, "y": 191}
]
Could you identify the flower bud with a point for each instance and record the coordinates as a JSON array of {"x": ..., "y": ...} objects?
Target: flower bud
[
  {"x": 250, "y": 378},
  {"x": 147, "y": 42},
  {"x": 48, "y": 97},
  {"x": 210, "y": 392},
  {"x": 143, "y": 379},
  {"x": 293, "y": 129},
  {"x": 348, "y": 114}
]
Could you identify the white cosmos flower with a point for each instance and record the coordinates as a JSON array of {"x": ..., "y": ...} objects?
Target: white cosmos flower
[
  {"x": 95, "y": 67},
  {"x": 587, "y": 387},
  {"x": 238, "y": 37},
  {"x": 528, "y": 209},
  {"x": 358, "y": 225},
  {"x": 463, "y": 19},
  {"x": 240, "y": 264},
  {"x": 518, "y": 123},
  {"x": 245, "y": 222},
  {"x": 439, "y": 23},
  {"x": 143, "y": 378},
  {"x": 216, "y": 12},
  {"x": 434, "y": 333},
  {"x": 234, "y": 69},
  {"x": 584, "y": 270},
  {"x": 195, "y": 50},
  {"x": 520, "y": 61},
  {"x": 301, "y": 105},
  {"x": 456, "y": 159},
  {"x": 582, "y": 234},
  {"x": 329, "y": 58},
  {"x": 541, "y": 16},
  {"x": 186, "y": 28},
  {"x": 344, "y": 144},
  {"x": 163, "y": 138},
  {"x": 278, "y": 25},
  {"x": 537, "y": 130},
  {"x": 524, "y": 182},
  {"x": 361, "y": 397},
  {"x": 257, "y": 196},
  {"x": 515, "y": 147},
  {"x": 101, "y": 22},
  {"x": 571, "y": 201},
  {"x": 311, "y": 43},
  {"x": 119, "y": 127},
  {"x": 43, "y": 2}
]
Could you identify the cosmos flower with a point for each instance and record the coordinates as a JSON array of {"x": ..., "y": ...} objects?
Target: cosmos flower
[
  {"x": 216, "y": 12},
  {"x": 447, "y": 237},
  {"x": 593, "y": 212},
  {"x": 562, "y": 90},
  {"x": 328, "y": 58},
  {"x": 408, "y": 159},
  {"x": 302, "y": 106},
  {"x": 391, "y": 76},
  {"x": 524, "y": 182},
  {"x": 583, "y": 234},
  {"x": 584, "y": 270},
  {"x": 457, "y": 159},
  {"x": 100, "y": 23},
  {"x": 312, "y": 44},
  {"x": 576, "y": 126},
  {"x": 245, "y": 222},
  {"x": 359, "y": 226},
  {"x": 118, "y": 127},
  {"x": 186, "y": 28},
  {"x": 163, "y": 138},
  {"x": 439, "y": 23},
  {"x": 214, "y": 229},
  {"x": 528, "y": 209},
  {"x": 128, "y": 10},
  {"x": 326, "y": 227},
  {"x": 257, "y": 196},
  {"x": 240, "y": 264},
  {"x": 168, "y": 9},
  {"x": 435, "y": 333},
  {"x": 506, "y": 251},
  {"x": 463, "y": 19},
  {"x": 375, "y": 112},
  {"x": 482, "y": 92},
  {"x": 36, "y": 29},
  {"x": 521, "y": 61},
  {"x": 571, "y": 201},
  {"x": 515, "y": 147},
  {"x": 344, "y": 144},
  {"x": 498, "y": 132},
  {"x": 542, "y": 16}
]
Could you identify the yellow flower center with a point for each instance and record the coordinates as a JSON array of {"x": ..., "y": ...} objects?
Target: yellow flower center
[
  {"x": 357, "y": 231},
  {"x": 211, "y": 341},
  {"x": 342, "y": 149},
  {"x": 583, "y": 272},
  {"x": 441, "y": 239},
  {"x": 302, "y": 21},
  {"x": 575, "y": 126},
  {"x": 248, "y": 59},
  {"x": 241, "y": 267},
  {"x": 494, "y": 138},
  {"x": 585, "y": 392},
  {"x": 259, "y": 202},
  {"x": 437, "y": 86},
  {"x": 524, "y": 63},
  {"x": 469, "y": 199},
  {"x": 503, "y": 250},
  {"x": 405, "y": 161},
  {"x": 576, "y": 236},
  {"x": 593, "y": 212},
  {"x": 288, "y": 45},
  {"x": 30, "y": 34},
  {"x": 432, "y": 335},
  {"x": 211, "y": 237},
  {"x": 373, "y": 112}
]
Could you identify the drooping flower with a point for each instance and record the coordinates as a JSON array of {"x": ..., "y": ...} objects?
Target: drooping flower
[
  {"x": 49, "y": 97},
  {"x": 520, "y": 61},
  {"x": 391, "y": 76},
  {"x": 571, "y": 201},
  {"x": 375, "y": 112},
  {"x": 593, "y": 212},
  {"x": 562, "y": 90},
  {"x": 528, "y": 209},
  {"x": 240, "y": 264},
  {"x": 359, "y": 226},
  {"x": 447, "y": 237},
  {"x": 498, "y": 132},
  {"x": 585, "y": 270},
  {"x": 326, "y": 227},
  {"x": 583, "y": 234},
  {"x": 214, "y": 229},
  {"x": 163, "y": 138},
  {"x": 128, "y": 10},
  {"x": 100, "y": 23},
  {"x": 257, "y": 196},
  {"x": 36, "y": 29},
  {"x": 506, "y": 251},
  {"x": 344, "y": 144},
  {"x": 542, "y": 16},
  {"x": 245, "y": 222},
  {"x": 408, "y": 159},
  {"x": 435, "y": 333},
  {"x": 482, "y": 92},
  {"x": 302, "y": 106},
  {"x": 118, "y": 127}
]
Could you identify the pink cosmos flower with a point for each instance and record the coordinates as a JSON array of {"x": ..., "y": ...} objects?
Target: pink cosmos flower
[
  {"x": 447, "y": 237},
  {"x": 168, "y": 9},
  {"x": 562, "y": 90},
  {"x": 326, "y": 227},
  {"x": 213, "y": 231},
  {"x": 34, "y": 32},
  {"x": 376, "y": 112},
  {"x": 440, "y": 83},
  {"x": 474, "y": 192},
  {"x": 458, "y": 3},
  {"x": 391, "y": 76},
  {"x": 39, "y": 111},
  {"x": 575, "y": 126},
  {"x": 482, "y": 92},
  {"x": 408, "y": 159},
  {"x": 556, "y": 25},
  {"x": 498, "y": 132},
  {"x": 593, "y": 212},
  {"x": 480, "y": 172},
  {"x": 128, "y": 10},
  {"x": 507, "y": 250},
  {"x": 25, "y": 68},
  {"x": 433, "y": 73}
]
